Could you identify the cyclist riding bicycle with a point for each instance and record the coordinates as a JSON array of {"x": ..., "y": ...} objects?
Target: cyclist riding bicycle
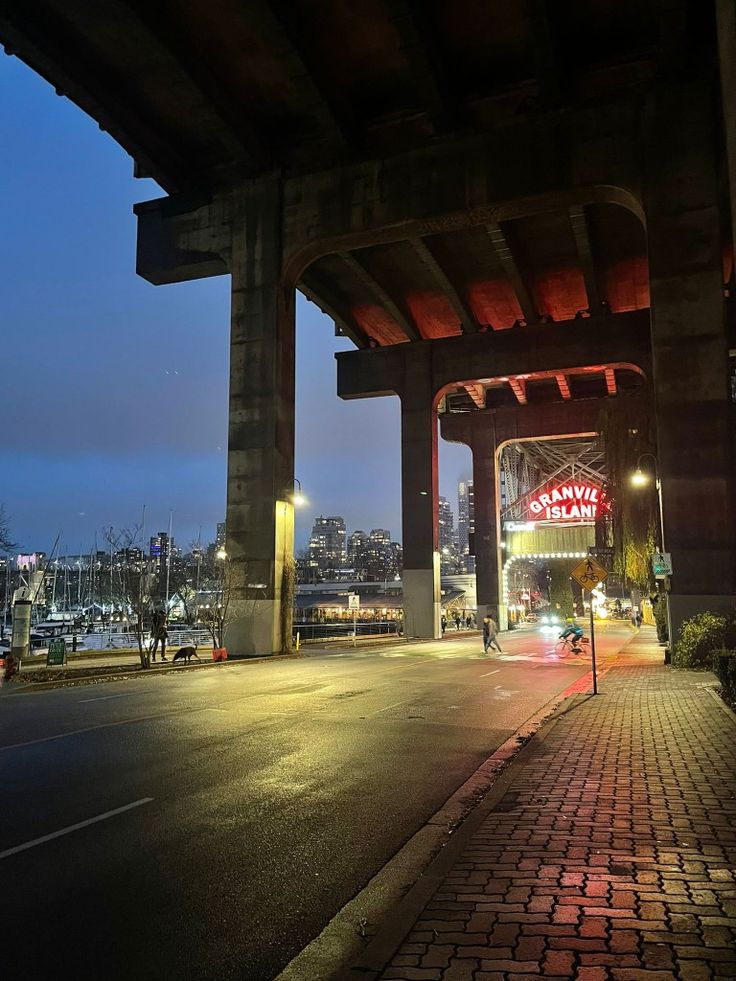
[{"x": 574, "y": 633}]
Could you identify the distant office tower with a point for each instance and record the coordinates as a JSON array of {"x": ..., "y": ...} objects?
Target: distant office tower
[
  {"x": 220, "y": 536},
  {"x": 161, "y": 549},
  {"x": 327, "y": 545},
  {"x": 356, "y": 550},
  {"x": 465, "y": 515},
  {"x": 446, "y": 520},
  {"x": 378, "y": 555}
]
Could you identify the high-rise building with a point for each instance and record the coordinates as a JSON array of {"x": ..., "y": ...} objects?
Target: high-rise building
[
  {"x": 356, "y": 549},
  {"x": 220, "y": 536},
  {"x": 465, "y": 514},
  {"x": 447, "y": 537},
  {"x": 446, "y": 521},
  {"x": 161, "y": 551},
  {"x": 327, "y": 545}
]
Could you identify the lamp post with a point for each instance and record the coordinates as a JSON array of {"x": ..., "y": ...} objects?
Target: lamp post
[
  {"x": 640, "y": 479},
  {"x": 297, "y": 497},
  {"x": 297, "y": 500}
]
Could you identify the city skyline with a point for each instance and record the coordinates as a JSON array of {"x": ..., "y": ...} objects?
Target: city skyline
[{"x": 139, "y": 415}]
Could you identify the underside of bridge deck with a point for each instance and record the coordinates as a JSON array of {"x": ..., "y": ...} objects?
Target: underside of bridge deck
[{"x": 513, "y": 203}]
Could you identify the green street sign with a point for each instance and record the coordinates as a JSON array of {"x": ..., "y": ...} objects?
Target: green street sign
[{"x": 56, "y": 652}]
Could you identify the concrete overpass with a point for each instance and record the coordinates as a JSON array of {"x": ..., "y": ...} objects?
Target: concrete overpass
[{"x": 503, "y": 199}]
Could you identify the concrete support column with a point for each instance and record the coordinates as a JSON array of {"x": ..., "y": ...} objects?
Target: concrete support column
[
  {"x": 260, "y": 519},
  {"x": 419, "y": 500},
  {"x": 487, "y": 552},
  {"x": 690, "y": 355}
]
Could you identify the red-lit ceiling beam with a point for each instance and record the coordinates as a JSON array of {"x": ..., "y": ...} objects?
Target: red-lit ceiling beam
[
  {"x": 367, "y": 279},
  {"x": 513, "y": 273},
  {"x": 611, "y": 381},
  {"x": 477, "y": 394},
  {"x": 467, "y": 322},
  {"x": 563, "y": 385},
  {"x": 518, "y": 386},
  {"x": 579, "y": 226}
]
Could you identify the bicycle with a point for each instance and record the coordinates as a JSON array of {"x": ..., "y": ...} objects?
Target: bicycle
[{"x": 571, "y": 645}]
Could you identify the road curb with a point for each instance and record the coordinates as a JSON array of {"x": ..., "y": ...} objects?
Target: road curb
[
  {"x": 393, "y": 898},
  {"x": 126, "y": 674}
]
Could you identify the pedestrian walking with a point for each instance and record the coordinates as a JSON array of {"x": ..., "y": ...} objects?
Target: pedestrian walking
[
  {"x": 443, "y": 622},
  {"x": 159, "y": 633},
  {"x": 490, "y": 635},
  {"x": 457, "y": 621}
]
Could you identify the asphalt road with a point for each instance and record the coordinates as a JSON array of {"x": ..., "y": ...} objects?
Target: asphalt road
[{"x": 207, "y": 825}]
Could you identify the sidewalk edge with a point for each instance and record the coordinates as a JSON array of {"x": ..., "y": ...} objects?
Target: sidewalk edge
[{"x": 407, "y": 881}]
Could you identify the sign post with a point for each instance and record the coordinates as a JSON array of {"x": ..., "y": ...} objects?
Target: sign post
[
  {"x": 588, "y": 574},
  {"x": 662, "y": 565},
  {"x": 354, "y": 605}
]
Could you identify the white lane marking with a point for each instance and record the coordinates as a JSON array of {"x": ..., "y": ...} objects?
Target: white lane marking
[
  {"x": 105, "y": 698},
  {"x": 74, "y": 827},
  {"x": 387, "y": 707},
  {"x": 490, "y": 672},
  {"x": 102, "y": 725}
]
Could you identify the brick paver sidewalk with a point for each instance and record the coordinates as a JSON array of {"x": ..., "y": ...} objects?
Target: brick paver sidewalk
[{"x": 611, "y": 855}]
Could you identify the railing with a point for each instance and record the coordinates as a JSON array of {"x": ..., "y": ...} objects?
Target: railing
[
  {"x": 325, "y": 631},
  {"x": 120, "y": 640}
]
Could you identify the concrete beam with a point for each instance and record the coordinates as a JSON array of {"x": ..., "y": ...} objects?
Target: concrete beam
[
  {"x": 477, "y": 394},
  {"x": 518, "y": 387},
  {"x": 579, "y": 225},
  {"x": 521, "y": 422},
  {"x": 467, "y": 322},
  {"x": 563, "y": 385},
  {"x": 511, "y": 267},
  {"x": 410, "y": 21},
  {"x": 347, "y": 327},
  {"x": 546, "y": 64},
  {"x": 387, "y": 302},
  {"x": 478, "y": 180},
  {"x": 621, "y": 339},
  {"x": 182, "y": 238}
]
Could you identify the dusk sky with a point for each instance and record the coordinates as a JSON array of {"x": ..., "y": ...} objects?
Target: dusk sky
[{"x": 114, "y": 392}]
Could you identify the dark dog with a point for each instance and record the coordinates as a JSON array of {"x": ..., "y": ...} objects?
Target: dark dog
[{"x": 186, "y": 654}]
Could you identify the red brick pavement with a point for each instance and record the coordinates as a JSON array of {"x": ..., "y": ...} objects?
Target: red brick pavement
[{"x": 611, "y": 856}]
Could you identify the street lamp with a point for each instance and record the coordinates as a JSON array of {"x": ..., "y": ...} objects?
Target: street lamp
[
  {"x": 297, "y": 497},
  {"x": 640, "y": 478}
]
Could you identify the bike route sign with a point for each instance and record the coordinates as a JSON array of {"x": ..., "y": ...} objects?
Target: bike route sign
[{"x": 588, "y": 573}]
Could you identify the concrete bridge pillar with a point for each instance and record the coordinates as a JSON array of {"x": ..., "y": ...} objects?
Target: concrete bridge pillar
[
  {"x": 694, "y": 411},
  {"x": 488, "y": 559},
  {"x": 419, "y": 500},
  {"x": 260, "y": 519}
]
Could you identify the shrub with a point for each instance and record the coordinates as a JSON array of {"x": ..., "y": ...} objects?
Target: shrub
[
  {"x": 700, "y": 637},
  {"x": 724, "y": 666}
]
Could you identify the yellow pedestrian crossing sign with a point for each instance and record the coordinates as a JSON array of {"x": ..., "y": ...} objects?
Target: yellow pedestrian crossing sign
[{"x": 589, "y": 573}]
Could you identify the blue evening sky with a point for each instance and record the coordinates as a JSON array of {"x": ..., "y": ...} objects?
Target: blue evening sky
[{"x": 113, "y": 391}]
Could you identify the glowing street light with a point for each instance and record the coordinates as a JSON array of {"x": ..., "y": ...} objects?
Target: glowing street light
[
  {"x": 641, "y": 479},
  {"x": 297, "y": 498}
]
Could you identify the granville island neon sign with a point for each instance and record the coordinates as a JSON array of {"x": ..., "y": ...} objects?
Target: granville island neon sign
[{"x": 568, "y": 502}]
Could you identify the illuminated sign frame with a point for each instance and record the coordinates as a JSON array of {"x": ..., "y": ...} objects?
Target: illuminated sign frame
[{"x": 571, "y": 501}]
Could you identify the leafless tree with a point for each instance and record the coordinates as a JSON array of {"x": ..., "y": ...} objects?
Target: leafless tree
[
  {"x": 6, "y": 544},
  {"x": 133, "y": 581}
]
